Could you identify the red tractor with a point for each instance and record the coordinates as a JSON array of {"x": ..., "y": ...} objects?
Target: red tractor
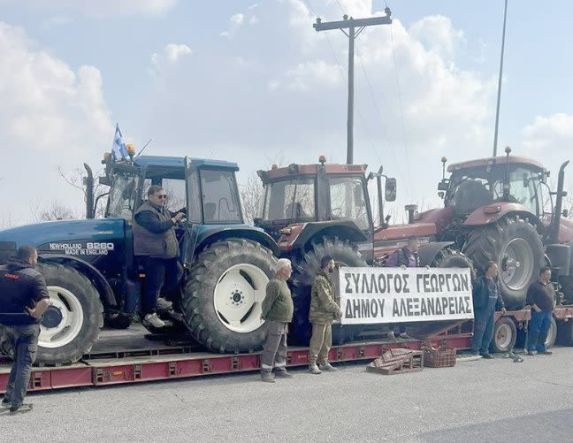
[{"x": 324, "y": 209}]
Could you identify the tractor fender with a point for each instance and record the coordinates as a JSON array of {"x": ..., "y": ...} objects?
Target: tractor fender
[
  {"x": 496, "y": 211},
  {"x": 212, "y": 235},
  {"x": 428, "y": 251},
  {"x": 301, "y": 235},
  {"x": 96, "y": 277}
]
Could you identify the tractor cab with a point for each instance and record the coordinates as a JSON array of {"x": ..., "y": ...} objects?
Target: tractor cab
[
  {"x": 302, "y": 194},
  {"x": 480, "y": 183},
  {"x": 204, "y": 189}
]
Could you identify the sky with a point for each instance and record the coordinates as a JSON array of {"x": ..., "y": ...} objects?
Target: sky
[{"x": 255, "y": 84}]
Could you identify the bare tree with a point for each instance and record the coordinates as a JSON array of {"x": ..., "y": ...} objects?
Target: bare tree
[
  {"x": 252, "y": 198},
  {"x": 75, "y": 179},
  {"x": 54, "y": 211}
]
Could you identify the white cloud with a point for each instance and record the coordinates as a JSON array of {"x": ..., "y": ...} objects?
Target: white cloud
[
  {"x": 414, "y": 105},
  {"x": 98, "y": 8},
  {"x": 171, "y": 55},
  {"x": 50, "y": 112},
  {"x": 549, "y": 139},
  {"x": 238, "y": 20}
]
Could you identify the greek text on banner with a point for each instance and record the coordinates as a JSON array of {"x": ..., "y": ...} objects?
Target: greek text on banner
[{"x": 395, "y": 295}]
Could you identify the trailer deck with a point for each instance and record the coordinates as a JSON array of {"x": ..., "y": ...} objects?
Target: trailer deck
[{"x": 122, "y": 357}]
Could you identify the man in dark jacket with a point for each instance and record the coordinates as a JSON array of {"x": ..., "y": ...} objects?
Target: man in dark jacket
[
  {"x": 406, "y": 256},
  {"x": 541, "y": 298},
  {"x": 156, "y": 246},
  {"x": 323, "y": 311},
  {"x": 23, "y": 300},
  {"x": 487, "y": 298},
  {"x": 277, "y": 310}
]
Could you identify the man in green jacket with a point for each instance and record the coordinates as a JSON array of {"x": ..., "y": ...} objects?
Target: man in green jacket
[
  {"x": 277, "y": 310},
  {"x": 323, "y": 311}
]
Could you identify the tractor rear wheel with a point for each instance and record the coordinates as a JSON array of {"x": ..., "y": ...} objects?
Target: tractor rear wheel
[
  {"x": 71, "y": 324},
  {"x": 305, "y": 271},
  {"x": 516, "y": 247},
  {"x": 223, "y": 296}
]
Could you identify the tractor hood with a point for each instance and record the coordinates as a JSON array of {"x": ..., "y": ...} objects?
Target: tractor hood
[{"x": 68, "y": 231}]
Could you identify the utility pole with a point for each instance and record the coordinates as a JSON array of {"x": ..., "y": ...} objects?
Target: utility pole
[
  {"x": 350, "y": 24},
  {"x": 499, "y": 83}
]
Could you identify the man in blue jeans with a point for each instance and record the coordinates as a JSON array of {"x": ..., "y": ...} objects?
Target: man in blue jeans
[
  {"x": 23, "y": 300},
  {"x": 541, "y": 298},
  {"x": 487, "y": 298}
]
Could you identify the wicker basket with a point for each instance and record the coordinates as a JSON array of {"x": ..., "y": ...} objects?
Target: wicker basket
[{"x": 439, "y": 357}]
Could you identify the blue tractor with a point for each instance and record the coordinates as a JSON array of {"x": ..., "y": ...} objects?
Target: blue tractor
[{"x": 93, "y": 277}]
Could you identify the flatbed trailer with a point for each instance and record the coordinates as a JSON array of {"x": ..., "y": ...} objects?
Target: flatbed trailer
[{"x": 122, "y": 357}]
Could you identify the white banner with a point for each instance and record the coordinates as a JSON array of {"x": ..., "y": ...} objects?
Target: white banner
[{"x": 395, "y": 295}]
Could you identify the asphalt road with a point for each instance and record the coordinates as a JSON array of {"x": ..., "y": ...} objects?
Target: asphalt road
[{"x": 481, "y": 400}]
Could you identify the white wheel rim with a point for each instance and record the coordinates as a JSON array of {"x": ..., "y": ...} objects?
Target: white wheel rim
[
  {"x": 503, "y": 337},
  {"x": 71, "y": 323},
  {"x": 517, "y": 264},
  {"x": 238, "y": 297}
]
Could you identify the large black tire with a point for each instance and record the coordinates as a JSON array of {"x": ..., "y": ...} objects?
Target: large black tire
[
  {"x": 566, "y": 283},
  {"x": 516, "y": 247},
  {"x": 504, "y": 335},
  {"x": 73, "y": 294},
  {"x": 305, "y": 271},
  {"x": 205, "y": 321}
]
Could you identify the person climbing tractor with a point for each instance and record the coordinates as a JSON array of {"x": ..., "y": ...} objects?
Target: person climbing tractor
[{"x": 157, "y": 248}]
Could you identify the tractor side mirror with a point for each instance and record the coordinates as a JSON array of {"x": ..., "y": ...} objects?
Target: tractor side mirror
[
  {"x": 390, "y": 189},
  {"x": 443, "y": 185}
]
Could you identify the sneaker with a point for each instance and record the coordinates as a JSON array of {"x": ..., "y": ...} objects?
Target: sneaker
[
  {"x": 267, "y": 377},
  {"x": 164, "y": 305},
  {"x": 487, "y": 356},
  {"x": 531, "y": 353},
  {"x": 404, "y": 335},
  {"x": 313, "y": 369},
  {"x": 545, "y": 353},
  {"x": 326, "y": 366},
  {"x": 26, "y": 407},
  {"x": 283, "y": 373},
  {"x": 154, "y": 320}
]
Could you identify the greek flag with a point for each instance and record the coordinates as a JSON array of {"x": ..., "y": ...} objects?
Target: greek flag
[{"x": 118, "y": 149}]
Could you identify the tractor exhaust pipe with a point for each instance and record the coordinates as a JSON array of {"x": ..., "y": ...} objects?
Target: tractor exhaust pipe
[
  {"x": 556, "y": 218},
  {"x": 89, "y": 184}
]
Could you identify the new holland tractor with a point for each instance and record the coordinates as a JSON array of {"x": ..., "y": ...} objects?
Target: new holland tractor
[
  {"x": 93, "y": 278},
  {"x": 324, "y": 209}
]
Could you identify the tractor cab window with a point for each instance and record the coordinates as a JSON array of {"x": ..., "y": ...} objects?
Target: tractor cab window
[
  {"x": 290, "y": 200},
  {"x": 476, "y": 187},
  {"x": 174, "y": 188},
  {"x": 220, "y": 197},
  {"x": 348, "y": 201},
  {"x": 122, "y": 196}
]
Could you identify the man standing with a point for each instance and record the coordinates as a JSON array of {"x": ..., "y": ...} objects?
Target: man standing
[
  {"x": 406, "y": 257},
  {"x": 277, "y": 310},
  {"x": 156, "y": 246},
  {"x": 541, "y": 297},
  {"x": 323, "y": 311},
  {"x": 23, "y": 300},
  {"x": 487, "y": 298}
]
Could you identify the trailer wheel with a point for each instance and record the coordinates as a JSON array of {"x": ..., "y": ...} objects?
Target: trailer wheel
[
  {"x": 504, "y": 335},
  {"x": 516, "y": 247},
  {"x": 223, "y": 296},
  {"x": 305, "y": 271},
  {"x": 551, "y": 334},
  {"x": 71, "y": 324}
]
